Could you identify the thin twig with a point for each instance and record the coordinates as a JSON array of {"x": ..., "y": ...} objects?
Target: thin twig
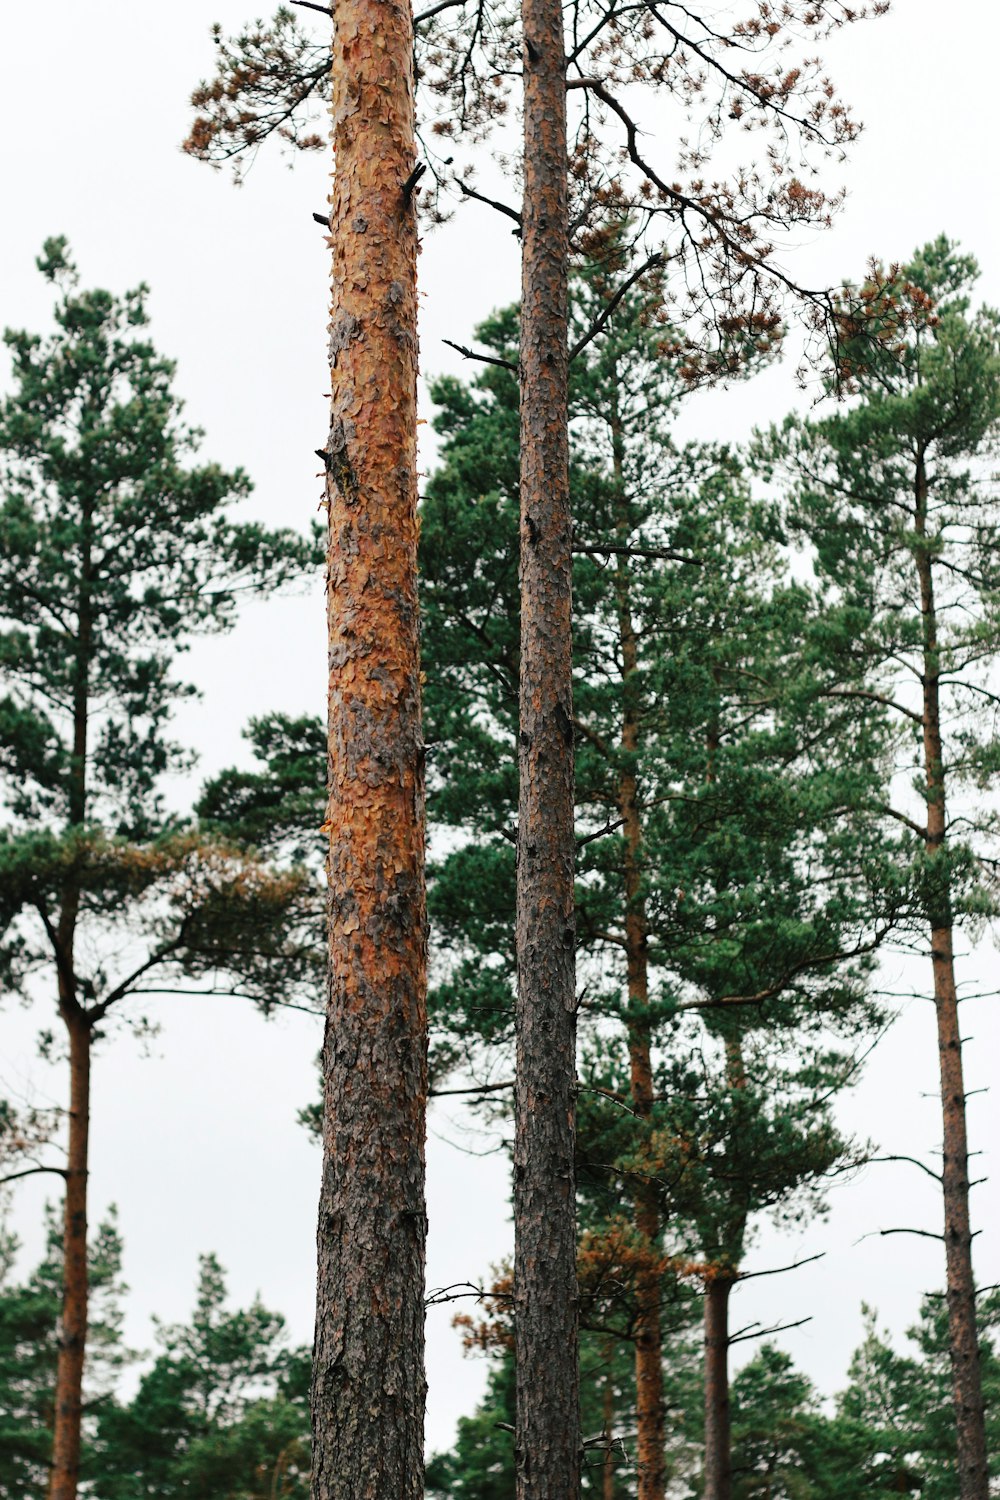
[
  {"x": 501, "y": 208},
  {"x": 486, "y": 359},
  {"x": 604, "y": 317},
  {"x": 482, "y": 1088}
]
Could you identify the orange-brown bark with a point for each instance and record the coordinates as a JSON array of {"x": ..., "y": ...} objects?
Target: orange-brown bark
[
  {"x": 68, "y": 1404},
  {"x": 973, "y": 1467},
  {"x": 368, "y": 1386},
  {"x": 547, "y": 1440}
]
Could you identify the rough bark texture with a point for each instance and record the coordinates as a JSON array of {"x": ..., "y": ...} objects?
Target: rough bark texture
[
  {"x": 973, "y": 1467},
  {"x": 651, "y": 1472},
  {"x": 546, "y": 1305},
  {"x": 718, "y": 1459},
  {"x": 64, "y": 1474},
  {"x": 368, "y": 1385}
]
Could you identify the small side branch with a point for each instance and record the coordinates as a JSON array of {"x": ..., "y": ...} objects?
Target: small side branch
[
  {"x": 754, "y": 1330},
  {"x": 588, "y": 838},
  {"x": 324, "y": 10},
  {"x": 602, "y": 320},
  {"x": 486, "y": 359},
  {"x": 435, "y": 10},
  {"x": 34, "y": 1172},
  {"x": 913, "y": 1162},
  {"x": 779, "y": 1270},
  {"x": 501, "y": 208},
  {"x": 482, "y": 1088},
  {"x": 411, "y": 182}
]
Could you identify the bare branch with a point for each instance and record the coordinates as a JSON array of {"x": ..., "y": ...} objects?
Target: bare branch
[
  {"x": 486, "y": 359},
  {"x": 762, "y": 1333},
  {"x": 779, "y": 1270},
  {"x": 501, "y": 208},
  {"x": 604, "y": 317},
  {"x": 33, "y": 1172},
  {"x": 482, "y": 1088}
]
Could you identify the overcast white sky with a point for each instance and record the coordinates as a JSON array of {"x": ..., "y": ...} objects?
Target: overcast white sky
[{"x": 197, "y": 1143}]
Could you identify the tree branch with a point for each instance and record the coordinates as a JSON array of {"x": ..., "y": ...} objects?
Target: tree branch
[
  {"x": 482, "y": 1088},
  {"x": 607, "y": 313},
  {"x": 33, "y": 1172},
  {"x": 486, "y": 359},
  {"x": 501, "y": 208}
]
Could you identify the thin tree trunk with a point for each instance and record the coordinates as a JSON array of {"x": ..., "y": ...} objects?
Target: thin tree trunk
[
  {"x": 651, "y": 1472},
  {"x": 65, "y": 1470},
  {"x": 68, "y": 1396},
  {"x": 608, "y": 1474},
  {"x": 973, "y": 1467},
  {"x": 368, "y": 1385},
  {"x": 718, "y": 1441},
  {"x": 547, "y": 1440}
]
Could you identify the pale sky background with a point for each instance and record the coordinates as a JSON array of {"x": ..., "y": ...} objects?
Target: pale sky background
[{"x": 197, "y": 1143}]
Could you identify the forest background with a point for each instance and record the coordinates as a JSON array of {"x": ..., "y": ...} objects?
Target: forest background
[{"x": 198, "y": 1142}]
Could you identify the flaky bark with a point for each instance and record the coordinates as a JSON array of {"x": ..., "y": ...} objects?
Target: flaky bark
[
  {"x": 546, "y": 1311},
  {"x": 68, "y": 1404},
  {"x": 973, "y": 1467},
  {"x": 718, "y": 1441},
  {"x": 368, "y": 1384}
]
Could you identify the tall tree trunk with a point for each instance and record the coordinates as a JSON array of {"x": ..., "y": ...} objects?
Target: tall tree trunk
[
  {"x": 547, "y": 1440},
  {"x": 651, "y": 1472},
  {"x": 973, "y": 1467},
  {"x": 718, "y": 1456},
  {"x": 368, "y": 1385},
  {"x": 64, "y": 1474},
  {"x": 68, "y": 1396}
]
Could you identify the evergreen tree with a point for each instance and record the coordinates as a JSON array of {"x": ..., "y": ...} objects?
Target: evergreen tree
[
  {"x": 719, "y": 235},
  {"x": 29, "y": 1351},
  {"x": 891, "y": 494},
  {"x": 222, "y": 1414},
  {"x": 117, "y": 550},
  {"x": 731, "y": 867}
]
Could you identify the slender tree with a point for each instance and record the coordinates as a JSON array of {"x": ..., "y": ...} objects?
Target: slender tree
[
  {"x": 371, "y": 1217},
  {"x": 720, "y": 244},
  {"x": 728, "y": 867},
  {"x": 892, "y": 496},
  {"x": 115, "y": 552}
]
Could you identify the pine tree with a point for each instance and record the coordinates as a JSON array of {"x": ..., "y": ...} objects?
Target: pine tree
[
  {"x": 222, "y": 1413},
  {"x": 718, "y": 238},
  {"x": 116, "y": 551},
  {"x": 731, "y": 864},
  {"x": 891, "y": 495},
  {"x": 29, "y": 1352}
]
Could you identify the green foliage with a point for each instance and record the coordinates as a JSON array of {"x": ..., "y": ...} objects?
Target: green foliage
[
  {"x": 118, "y": 548},
  {"x": 892, "y": 496},
  {"x": 222, "y": 1414},
  {"x": 29, "y": 1315}
]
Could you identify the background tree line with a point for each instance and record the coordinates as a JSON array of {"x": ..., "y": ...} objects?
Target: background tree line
[{"x": 742, "y": 741}]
